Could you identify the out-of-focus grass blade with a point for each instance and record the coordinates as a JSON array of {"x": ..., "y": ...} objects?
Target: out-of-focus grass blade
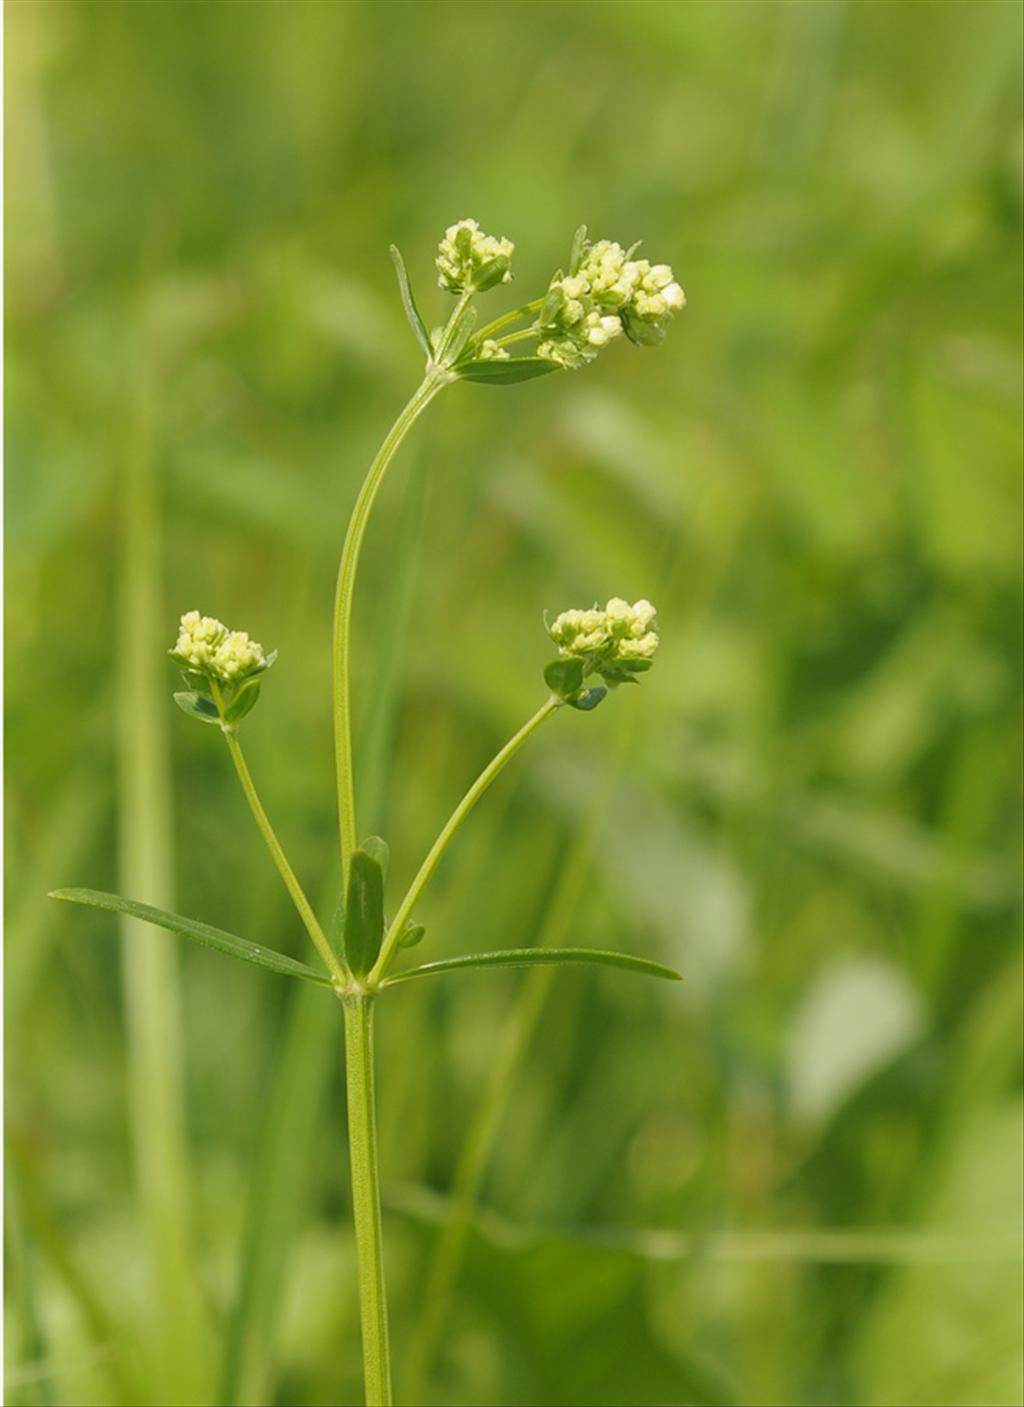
[
  {"x": 276, "y": 1200},
  {"x": 49, "y": 1234},
  {"x": 228, "y": 943},
  {"x": 538, "y": 957},
  {"x": 24, "y": 1301}
]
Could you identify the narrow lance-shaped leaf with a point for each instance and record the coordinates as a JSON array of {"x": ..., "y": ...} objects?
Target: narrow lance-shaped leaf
[
  {"x": 579, "y": 244},
  {"x": 538, "y": 957},
  {"x": 459, "y": 335},
  {"x": 227, "y": 943},
  {"x": 417, "y": 324},
  {"x": 494, "y": 371},
  {"x": 364, "y": 912}
]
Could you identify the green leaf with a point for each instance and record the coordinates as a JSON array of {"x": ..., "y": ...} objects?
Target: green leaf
[
  {"x": 417, "y": 324},
  {"x": 491, "y": 273},
  {"x": 364, "y": 912},
  {"x": 412, "y": 934},
  {"x": 579, "y": 245},
  {"x": 538, "y": 957},
  {"x": 494, "y": 372},
  {"x": 243, "y": 702},
  {"x": 227, "y": 943},
  {"x": 588, "y": 699},
  {"x": 460, "y": 334},
  {"x": 564, "y": 677},
  {"x": 642, "y": 333},
  {"x": 198, "y": 706},
  {"x": 379, "y": 849}
]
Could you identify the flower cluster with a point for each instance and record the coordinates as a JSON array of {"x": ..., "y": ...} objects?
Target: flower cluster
[
  {"x": 607, "y": 293},
  {"x": 468, "y": 259},
  {"x": 617, "y": 642},
  {"x": 615, "y": 635},
  {"x": 206, "y": 646}
]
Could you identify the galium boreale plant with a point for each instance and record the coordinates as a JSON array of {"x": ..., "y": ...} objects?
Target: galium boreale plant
[{"x": 604, "y": 293}]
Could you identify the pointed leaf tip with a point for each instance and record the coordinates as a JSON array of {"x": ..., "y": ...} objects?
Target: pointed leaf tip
[
  {"x": 540, "y": 957},
  {"x": 416, "y": 322}
]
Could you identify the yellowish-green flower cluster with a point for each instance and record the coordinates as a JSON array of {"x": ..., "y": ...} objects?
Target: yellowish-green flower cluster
[
  {"x": 617, "y": 635},
  {"x": 206, "y": 646},
  {"x": 469, "y": 259},
  {"x": 609, "y": 292},
  {"x": 617, "y": 643}
]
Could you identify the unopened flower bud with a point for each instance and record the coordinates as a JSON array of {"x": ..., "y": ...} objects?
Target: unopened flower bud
[{"x": 469, "y": 259}]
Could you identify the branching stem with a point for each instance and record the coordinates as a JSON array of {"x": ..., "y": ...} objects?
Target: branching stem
[
  {"x": 440, "y": 845},
  {"x": 298, "y": 895}
]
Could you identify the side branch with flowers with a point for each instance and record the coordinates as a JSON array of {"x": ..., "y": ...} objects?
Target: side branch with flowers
[{"x": 604, "y": 293}]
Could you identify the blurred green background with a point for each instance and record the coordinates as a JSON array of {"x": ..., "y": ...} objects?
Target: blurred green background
[{"x": 796, "y": 1178}]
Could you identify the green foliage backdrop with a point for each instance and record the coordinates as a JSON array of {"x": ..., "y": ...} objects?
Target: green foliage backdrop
[{"x": 796, "y": 1178}]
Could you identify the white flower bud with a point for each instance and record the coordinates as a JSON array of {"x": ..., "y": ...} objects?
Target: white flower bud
[
  {"x": 643, "y": 614},
  {"x": 601, "y": 330},
  {"x": 469, "y": 259}
]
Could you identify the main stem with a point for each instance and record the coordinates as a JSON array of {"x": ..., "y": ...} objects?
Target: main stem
[
  {"x": 435, "y": 378},
  {"x": 362, "y": 1140}
]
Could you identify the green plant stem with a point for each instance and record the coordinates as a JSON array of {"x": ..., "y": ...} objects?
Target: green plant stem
[
  {"x": 362, "y": 1141},
  {"x": 519, "y": 336},
  {"x": 440, "y": 845},
  {"x": 527, "y": 310},
  {"x": 285, "y": 870},
  {"x": 434, "y": 380}
]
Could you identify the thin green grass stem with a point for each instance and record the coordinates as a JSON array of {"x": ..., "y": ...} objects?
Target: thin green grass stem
[{"x": 362, "y": 1139}]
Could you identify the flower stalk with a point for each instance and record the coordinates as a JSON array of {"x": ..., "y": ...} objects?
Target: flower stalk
[{"x": 344, "y": 591}]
